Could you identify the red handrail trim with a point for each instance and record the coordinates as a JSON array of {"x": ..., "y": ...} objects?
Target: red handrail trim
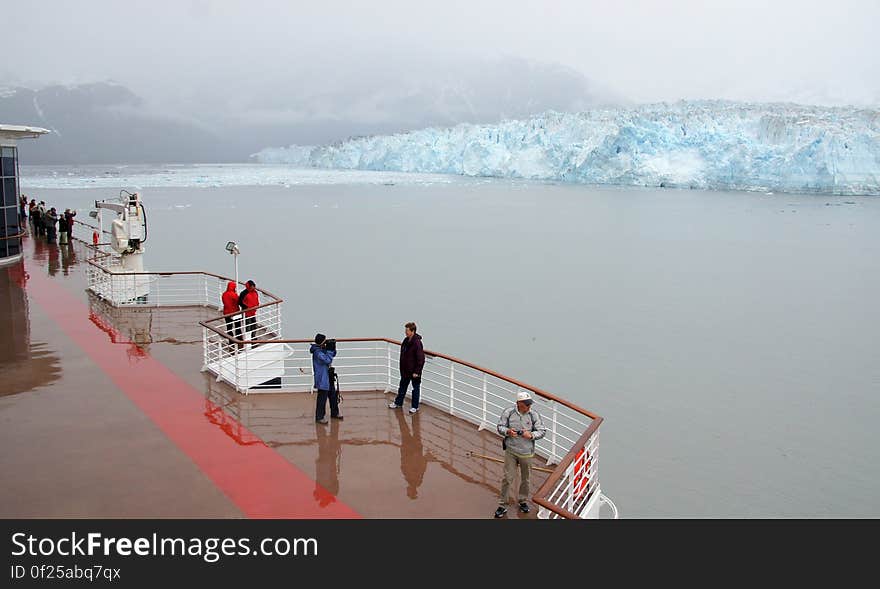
[{"x": 22, "y": 234}]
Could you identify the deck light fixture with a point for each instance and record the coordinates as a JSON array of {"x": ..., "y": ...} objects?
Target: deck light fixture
[{"x": 232, "y": 248}]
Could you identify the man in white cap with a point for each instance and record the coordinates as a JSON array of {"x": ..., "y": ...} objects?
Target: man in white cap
[{"x": 520, "y": 426}]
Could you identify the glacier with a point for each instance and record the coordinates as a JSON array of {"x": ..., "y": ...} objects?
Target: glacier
[{"x": 707, "y": 144}]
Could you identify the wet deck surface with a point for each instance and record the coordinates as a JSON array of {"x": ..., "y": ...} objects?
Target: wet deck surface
[{"x": 77, "y": 442}]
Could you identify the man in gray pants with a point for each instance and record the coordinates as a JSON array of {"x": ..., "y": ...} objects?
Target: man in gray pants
[{"x": 520, "y": 426}]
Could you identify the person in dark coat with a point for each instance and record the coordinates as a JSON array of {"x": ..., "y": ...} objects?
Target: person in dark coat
[
  {"x": 49, "y": 223},
  {"x": 249, "y": 299},
  {"x": 34, "y": 210},
  {"x": 62, "y": 230},
  {"x": 22, "y": 211},
  {"x": 412, "y": 359},
  {"x": 69, "y": 215}
]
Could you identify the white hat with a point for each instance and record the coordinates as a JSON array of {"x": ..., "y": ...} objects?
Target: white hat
[{"x": 525, "y": 397}]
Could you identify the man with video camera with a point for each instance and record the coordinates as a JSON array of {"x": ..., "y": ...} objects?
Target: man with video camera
[{"x": 323, "y": 351}]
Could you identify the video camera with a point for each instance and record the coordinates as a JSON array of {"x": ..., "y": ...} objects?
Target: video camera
[{"x": 329, "y": 344}]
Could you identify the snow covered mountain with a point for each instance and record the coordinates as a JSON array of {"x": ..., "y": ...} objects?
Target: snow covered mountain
[{"x": 696, "y": 144}]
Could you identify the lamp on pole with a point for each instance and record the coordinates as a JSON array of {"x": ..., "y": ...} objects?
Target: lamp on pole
[{"x": 232, "y": 248}]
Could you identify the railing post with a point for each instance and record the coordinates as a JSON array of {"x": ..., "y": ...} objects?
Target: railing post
[
  {"x": 280, "y": 335},
  {"x": 388, "y": 360},
  {"x": 237, "y": 371},
  {"x": 484, "y": 422},
  {"x": 451, "y": 388},
  {"x": 554, "y": 458},
  {"x": 205, "y": 350}
]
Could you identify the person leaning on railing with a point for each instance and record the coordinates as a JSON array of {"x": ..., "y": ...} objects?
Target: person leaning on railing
[
  {"x": 249, "y": 299},
  {"x": 521, "y": 426}
]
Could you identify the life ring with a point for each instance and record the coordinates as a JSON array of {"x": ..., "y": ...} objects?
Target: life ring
[{"x": 581, "y": 465}]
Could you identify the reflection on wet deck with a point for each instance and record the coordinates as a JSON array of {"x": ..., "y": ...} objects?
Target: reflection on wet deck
[
  {"x": 24, "y": 364},
  {"x": 382, "y": 462}
]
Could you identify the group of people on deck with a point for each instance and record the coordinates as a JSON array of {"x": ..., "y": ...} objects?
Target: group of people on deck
[{"x": 46, "y": 222}]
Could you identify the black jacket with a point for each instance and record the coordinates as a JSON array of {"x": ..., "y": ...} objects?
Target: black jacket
[{"x": 412, "y": 356}]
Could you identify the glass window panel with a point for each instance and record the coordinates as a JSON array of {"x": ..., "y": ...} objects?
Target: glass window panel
[
  {"x": 7, "y": 166},
  {"x": 11, "y": 222},
  {"x": 8, "y": 247},
  {"x": 7, "y": 152},
  {"x": 9, "y": 197}
]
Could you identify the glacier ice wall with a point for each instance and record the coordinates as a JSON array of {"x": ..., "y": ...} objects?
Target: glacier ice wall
[{"x": 695, "y": 144}]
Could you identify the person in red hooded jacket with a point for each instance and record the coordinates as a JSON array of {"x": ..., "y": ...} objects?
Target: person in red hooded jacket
[
  {"x": 230, "y": 305},
  {"x": 249, "y": 299}
]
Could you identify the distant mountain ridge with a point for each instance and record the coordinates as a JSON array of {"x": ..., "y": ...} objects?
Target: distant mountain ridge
[
  {"x": 219, "y": 122},
  {"x": 101, "y": 123}
]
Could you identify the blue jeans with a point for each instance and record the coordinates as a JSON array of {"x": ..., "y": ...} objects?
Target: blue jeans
[{"x": 401, "y": 390}]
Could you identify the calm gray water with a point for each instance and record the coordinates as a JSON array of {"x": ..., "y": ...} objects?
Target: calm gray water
[{"x": 730, "y": 340}]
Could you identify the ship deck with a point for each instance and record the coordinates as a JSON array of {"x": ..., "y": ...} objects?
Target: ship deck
[{"x": 106, "y": 414}]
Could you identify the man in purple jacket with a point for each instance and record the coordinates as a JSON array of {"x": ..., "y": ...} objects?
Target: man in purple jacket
[{"x": 412, "y": 360}]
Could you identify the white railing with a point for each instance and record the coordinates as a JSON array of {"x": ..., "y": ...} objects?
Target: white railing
[
  {"x": 163, "y": 289},
  {"x": 250, "y": 354},
  {"x": 577, "y": 489}
]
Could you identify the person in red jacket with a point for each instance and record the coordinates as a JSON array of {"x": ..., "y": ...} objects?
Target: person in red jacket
[
  {"x": 249, "y": 299},
  {"x": 230, "y": 305}
]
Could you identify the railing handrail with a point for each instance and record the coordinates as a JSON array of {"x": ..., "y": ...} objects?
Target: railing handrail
[
  {"x": 540, "y": 392},
  {"x": 540, "y": 496},
  {"x": 22, "y": 234},
  {"x": 102, "y": 255}
]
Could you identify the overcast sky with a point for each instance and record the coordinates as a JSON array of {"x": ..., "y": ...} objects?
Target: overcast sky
[{"x": 760, "y": 50}]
